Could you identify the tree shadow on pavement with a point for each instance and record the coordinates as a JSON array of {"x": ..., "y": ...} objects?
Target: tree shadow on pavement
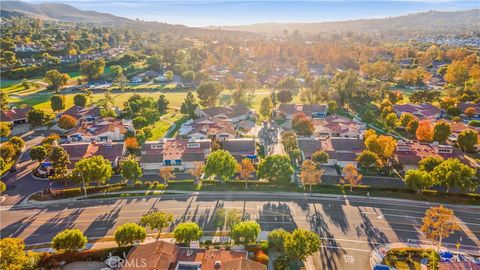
[
  {"x": 101, "y": 224},
  {"x": 374, "y": 236},
  {"x": 336, "y": 214},
  {"x": 329, "y": 248},
  {"x": 56, "y": 224},
  {"x": 276, "y": 215}
]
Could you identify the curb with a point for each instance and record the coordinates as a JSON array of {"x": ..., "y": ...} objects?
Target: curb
[{"x": 28, "y": 202}]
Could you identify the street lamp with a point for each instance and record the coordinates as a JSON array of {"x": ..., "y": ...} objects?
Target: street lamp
[{"x": 83, "y": 184}]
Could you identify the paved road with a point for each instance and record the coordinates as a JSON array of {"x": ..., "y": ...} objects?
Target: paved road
[{"x": 349, "y": 229}]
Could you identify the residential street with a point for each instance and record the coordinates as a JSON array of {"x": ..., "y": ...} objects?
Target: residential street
[{"x": 349, "y": 228}]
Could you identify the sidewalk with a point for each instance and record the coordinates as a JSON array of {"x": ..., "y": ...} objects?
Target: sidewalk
[{"x": 27, "y": 202}]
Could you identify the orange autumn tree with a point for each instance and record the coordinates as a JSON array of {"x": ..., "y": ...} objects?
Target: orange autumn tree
[
  {"x": 424, "y": 131},
  {"x": 245, "y": 169},
  {"x": 470, "y": 111},
  {"x": 132, "y": 144},
  {"x": 351, "y": 176}
]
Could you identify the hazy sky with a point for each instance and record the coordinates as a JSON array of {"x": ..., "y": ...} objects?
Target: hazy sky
[{"x": 229, "y": 12}]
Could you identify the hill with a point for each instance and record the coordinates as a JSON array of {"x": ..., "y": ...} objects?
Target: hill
[
  {"x": 59, "y": 12},
  {"x": 432, "y": 21}
]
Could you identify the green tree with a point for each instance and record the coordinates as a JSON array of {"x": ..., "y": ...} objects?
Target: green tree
[
  {"x": 429, "y": 163},
  {"x": 189, "y": 105},
  {"x": 60, "y": 160},
  {"x": 284, "y": 96},
  {"x": 38, "y": 153},
  {"x": 302, "y": 125},
  {"x": 405, "y": 118},
  {"x": 162, "y": 104},
  {"x": 17, "y": 142},
  {"x": 55, "y": 79},
  {"x": 69, "y": 240},
  {"x": 208, "y": 93},
  {"x": 320, "y": 157},
  {"x": 220, "y": 164},
  {"x": 441, "y": 131},
  {"x": 245, "y": 232},
  {"x": 467, "y": 140},
  {"x": 391, "y": 120},
  {"x": 301, "y": 244},
  {"x": 418, "y": 180},
  {"x": 80, "y": 100},
  {"x": 93, "y": 169},
  {"x": 289, "y": 140},
  {"x": 368, "y": 159},
  {"x": 345, "y": 84},
  {"x": 188, "y": 76},
  {"x": 131, "y": 170},
  {"x": 233, "y": 217},
  {"x": 13, "y": 254},
  {"x": 4, "y": 129},
  {"x": 187, "y": 232},
  {"x": 156, "y": 221},
  {"x": 57, "y": 102},
  {"x": 276, "y": 169},
  {"x": 7, "y": 151},
  {"x": 3, "y": 187},
  {"x": 139, "y": 122},
  {"x": 453, "y": 173},
  {"x": 67, "y": 122},
  {"x": 266, "y": 107},
  {"x": 129, "y": 234},
  {"x": 4, "y": 104},
  {"x": 276, "y": 239},
  {"x": 92, "y": 69},
  {"x": 169, "y": 75}
]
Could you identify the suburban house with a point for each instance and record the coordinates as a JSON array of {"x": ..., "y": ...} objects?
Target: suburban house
[
  {"x": 338, "y": 126},
  {"x": 106, "y": 130},
  {"x": 14, "y": 115},
  {"x": 287, "y": 111},
  {"x": 83, "y": 113},
  {"x": 241, "y": 148},
  {"x": 161, "y": 255},
  {"x": 341, "y": 151},
  {"x": 465, "y": 105},
  {"x": 421, "y": 111},
  {"x": 112, "y": 151},
  {"x": 233, "y": 113},
  {"x": 181, "y": 154},
  {"x": 208, "y": 128},
  {"x": 410, "y": 153}
]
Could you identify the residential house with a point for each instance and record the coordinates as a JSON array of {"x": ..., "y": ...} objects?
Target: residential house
[
  {"x": 338, "y": 126},
  {"x": 241, "y": 148},
  {"x": 208, "y": 127},
  {"x": 112, "y": 151},
  {"x": 465, "y": 105},
  {"x": 313, "y": 111},
  {"x": 181, "y": 154},
  {"x": 458, "y": 127},
  {"x": 409, "y": 153},
  {"x": 341, "y": 151},
  {"x": 106, "y": 130},
  {"x": 233, "y": 113},
  {"x": 80, "y": 113},
  {"x": 14, "y": 115},
  {"x": 161, "y": 255},
  {"x": 421, "y": 111}
]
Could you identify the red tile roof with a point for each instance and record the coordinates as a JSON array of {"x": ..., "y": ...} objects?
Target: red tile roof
[{"x": 14, "y": 114}]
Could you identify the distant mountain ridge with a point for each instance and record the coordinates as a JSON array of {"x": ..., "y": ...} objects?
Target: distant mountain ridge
[
  {"x": 59, "y": 12},
  {"x": 423, "y": 22}
]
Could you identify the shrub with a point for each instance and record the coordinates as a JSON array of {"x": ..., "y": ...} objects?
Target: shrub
[
  {"x": 474, "y": 123},
  {"x": 155, "y": 183},
  {"x": 138, "y": 184},
  {"x": 263, "y": 246},
  {"x": 147, "y": 184}
]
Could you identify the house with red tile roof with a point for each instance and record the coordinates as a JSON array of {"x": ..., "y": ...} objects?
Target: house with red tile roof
[
  {"x": 208, "y": 127},
  {"x": 240, "y": 148},
  {"x": 161, "y": 255},
  {"x": 14, "y": 115},
  {"x": 421, "y": 111},
  {"x": 338, "y": 126},
  {"x": 232, "y": 113},
  {"x": 83, "y": 113},
  {"x": 465, "y": 105},
  {"x": 106, "y": 130},
  {"x": 175, "y": 152},
  {"x": 341, "y": 151},
  {"x": 409, "y": 153}
]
